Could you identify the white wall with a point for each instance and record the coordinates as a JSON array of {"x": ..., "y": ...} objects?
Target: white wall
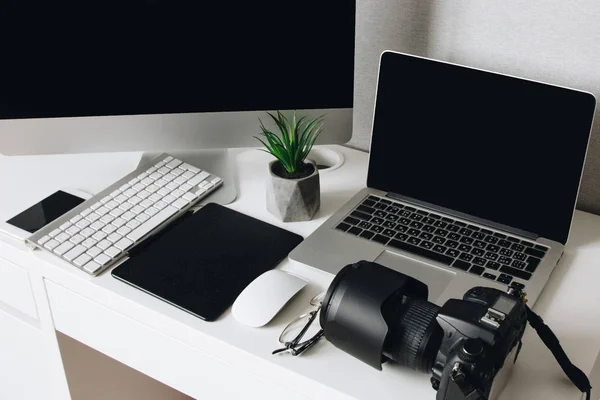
[{"x": 548, "y": 40}]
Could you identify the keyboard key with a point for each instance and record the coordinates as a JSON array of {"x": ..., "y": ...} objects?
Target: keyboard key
[
  {"x": 43, "y": 239},
  {"x": 429, "y": 229},
  {"x": 351, "y": 221},
  {"x": 376, "y": 229},
  {"x": 380, "y": 239},
  {"x": 85, "y": 212},
  {"x": 513, "y": 239},
  {"x": 540, "y": 248},
  {"x": 119, "y": 222},
  {"x": 392, "y": 217},
  {"x": 503, "y": 278},
  {"x": 520, "y": 256},
  {"x": 87, "y": 232},
  {"x": 426, "y": 244},
  {"x": 117, "y": 212},
  {"x": 401, "y": 236},
  {"x": 517, "y": 247},
  {"x": 438, "y": 240},
  {"x": 82, "y": 260},
  {"x": 532, "y": 264},
  {"x": 441, "y": 232},
  {"x": 491, "y": 256},
  {"x": 416, "y": 224},
  {"x": 464, "y": 247},
  {"x": 500, "y": 235},
  {"x": 133, "y": 224},
  {"x": 453, "y": 253},
  {"x": 55, "y": 232},
  {"x": 143, "y": 217},
  {"x": 77, "y": 239},
  {"x": 389, "y": 232},
  {"x": 519, "y": 264},
  {"x": 89, "y": 242},
  {"x": 422, "y": 212},
  {"x": 426, "y": 236},
  {"x": 74, "y": 252},
  {"x": 440, "y": 224},
  {"x": 62, "y": 237},
  {"x": 517, "y": 285},
  {"x": 506, "y": 252},
  {"x": 416, "y": 217},
  {"x": 466, "y": 232},
  {"x": 479, "y": 261},
  {"x": 389, "y": 224},
  {"x": 367, "y": 234},
  {"x": 94, "y": 251},
  {"x": 75, "y": 219},
  {"x": 493, "y": 248},
  {"x": 476, "y": 269},
  {"x": 173, "y": 164},
  {"x": 413, "y": 232},
  {"x": 460, "y": 223},
  {"x": 114, "y": 237},
  {"x": 504, "y": 243},
  {"x": 466, "y": 240},
  {"x": 380, "y": 206},
  {"x": 99, "y": 235},
  {"x": 420, "y": 251},
  {"x": 465, "y": 257},
  {"x": 489, "y": 276},
  {"x": 453, "y": 228},
  {"x": 404, "y": 213},
  {"x": 51, "y": 244},
  {"x": 65, "y": 226},
  {"x": 380, "y": 214},
  {"x": 479, "y": 244},
  {"x": 364, "y": 225},
  {"x": 493, "y": 265},
  {"x": 486, "y": 231},
  {"x": 505, "y": 260},
  {"x": 156, "y": 220},
  {"x": 413, "y": 240},
  {"x": 491, "y": 239},
  {"x": 477, "y": 252},
  {"x": 449, "y": 220},
  {"x": 343, "y": 227},
  {"x": 107, "y": 219},
  {"x": 454, "y": 236},
  {"x": 526, "y": 243},
  {"x": 83, "y": 223},
  {"x": 439, "y": 248},
  {"x": 434, "y": 216},
  {"x": 104, "y": 244},
  {"x": 102, "y": 259},
  {"x": 477, "y": 235},
  {"x": 451, "y": 243},
  {"x": 392, "y": 209},
  {"x": 533, "y": 252},
  {"x": 112, "y": 252},
  {"x": 366, "y": 209},
  {"x": 515, "y": 272},
  {"x": 461, "y": 265},
  {"x": 108, "y": 229},
  {"x": 377, "y": 221},
  {"x": 63, "y": 248},
  {"x": 179, "y": 203},
  {"x": 128, "y": 216},
  {"x": 369, "y": 203},
  {"x": 405, "y": 221}
]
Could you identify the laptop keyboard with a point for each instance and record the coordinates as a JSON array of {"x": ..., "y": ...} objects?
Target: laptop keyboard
[{"x": 480, "y": 251}]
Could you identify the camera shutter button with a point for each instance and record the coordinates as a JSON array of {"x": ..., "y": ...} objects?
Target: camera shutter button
[{"x": 471, "y": 350}]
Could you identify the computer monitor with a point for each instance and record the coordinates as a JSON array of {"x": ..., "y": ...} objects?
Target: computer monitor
[{"x": 159, "y": 75}]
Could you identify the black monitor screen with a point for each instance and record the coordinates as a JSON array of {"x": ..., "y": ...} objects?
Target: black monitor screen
[
  {"x": 504, "y": 149},
  {"x": 87, "y": 58}
]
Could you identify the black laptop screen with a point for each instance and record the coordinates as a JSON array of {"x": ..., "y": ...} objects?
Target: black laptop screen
[{"x": 504, "y": 149}]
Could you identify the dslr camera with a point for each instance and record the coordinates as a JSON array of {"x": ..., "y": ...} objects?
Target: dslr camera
[{"x": 377, "y": 314}]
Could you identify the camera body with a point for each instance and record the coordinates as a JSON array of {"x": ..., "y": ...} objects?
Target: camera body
[
  {"x": 481, "y": 332},
  {"x": 377, "y": 314}
]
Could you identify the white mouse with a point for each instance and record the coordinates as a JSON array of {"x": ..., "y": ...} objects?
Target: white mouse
[{"x": 262, "y": 299}]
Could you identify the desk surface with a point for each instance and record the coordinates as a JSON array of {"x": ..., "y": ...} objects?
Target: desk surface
[{"x": 568, "y": 304}]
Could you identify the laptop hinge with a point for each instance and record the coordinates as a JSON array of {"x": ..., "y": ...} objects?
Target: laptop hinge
[{"x": 458, "y": 214}]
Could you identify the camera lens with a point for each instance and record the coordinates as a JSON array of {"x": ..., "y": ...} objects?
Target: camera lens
[{"x": 414, "y": 336}]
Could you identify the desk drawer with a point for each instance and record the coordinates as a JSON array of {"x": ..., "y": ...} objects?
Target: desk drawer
[
  {"x": 15, "y": 288},
  {"x": 161, "y": 357}
]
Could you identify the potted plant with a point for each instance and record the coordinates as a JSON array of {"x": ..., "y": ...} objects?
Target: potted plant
[{"x": 293, "y": 189}]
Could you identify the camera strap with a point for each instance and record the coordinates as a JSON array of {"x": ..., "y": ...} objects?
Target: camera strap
[{"x": 576, "y": 376}]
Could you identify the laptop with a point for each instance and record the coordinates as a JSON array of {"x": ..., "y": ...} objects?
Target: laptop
[{"x": 473, "y": 179}]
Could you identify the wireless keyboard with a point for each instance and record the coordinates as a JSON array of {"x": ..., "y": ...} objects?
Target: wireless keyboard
[{"x": 99, "y": 232}]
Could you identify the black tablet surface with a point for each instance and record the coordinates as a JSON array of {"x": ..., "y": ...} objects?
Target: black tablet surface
[{"x": 203, "y": 261}]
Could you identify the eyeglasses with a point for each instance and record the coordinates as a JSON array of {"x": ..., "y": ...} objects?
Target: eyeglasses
[{"x": 302, "y": 326}]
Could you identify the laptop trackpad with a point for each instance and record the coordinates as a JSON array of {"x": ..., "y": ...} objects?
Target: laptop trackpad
[{"x": 437, "y": 279}]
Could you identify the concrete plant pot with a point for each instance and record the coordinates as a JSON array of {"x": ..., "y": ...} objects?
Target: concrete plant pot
[{"x": 293, "y": 200}]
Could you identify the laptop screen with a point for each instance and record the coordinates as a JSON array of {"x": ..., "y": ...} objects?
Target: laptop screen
[{"x": 504, "y": 149}]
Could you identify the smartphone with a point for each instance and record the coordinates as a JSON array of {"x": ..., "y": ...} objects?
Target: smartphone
[{"x": 41, "y": 214}]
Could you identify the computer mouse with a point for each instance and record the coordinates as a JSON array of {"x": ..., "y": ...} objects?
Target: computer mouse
[{"x": 265, "y": 296}]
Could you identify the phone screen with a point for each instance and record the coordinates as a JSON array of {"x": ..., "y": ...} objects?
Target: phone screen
[{"x": 46, "y": 211}]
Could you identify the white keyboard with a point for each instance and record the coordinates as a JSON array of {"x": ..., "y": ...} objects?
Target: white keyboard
[{"x": 99, "y": 232}]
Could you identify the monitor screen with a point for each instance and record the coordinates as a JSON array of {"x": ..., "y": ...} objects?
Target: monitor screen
[
  {"x": 68, "y": 59},
  {"x": 500, "y": 148}
]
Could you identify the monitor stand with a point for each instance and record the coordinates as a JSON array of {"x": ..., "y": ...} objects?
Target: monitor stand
[{"x": 218, "y": 162}]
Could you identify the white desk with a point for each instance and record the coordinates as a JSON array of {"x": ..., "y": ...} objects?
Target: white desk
[{"x": 223, "y": 359}]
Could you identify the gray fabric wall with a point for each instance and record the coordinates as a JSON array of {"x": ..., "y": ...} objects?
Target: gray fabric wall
[{"x": 547, "y": 40}]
